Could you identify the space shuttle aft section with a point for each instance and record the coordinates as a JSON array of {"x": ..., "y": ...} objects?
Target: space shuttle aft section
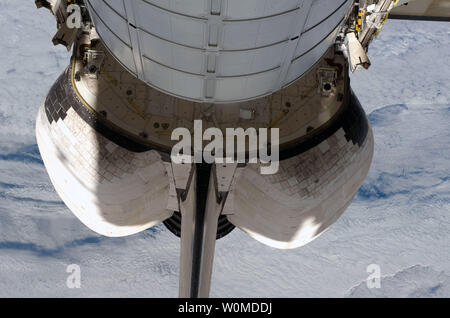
[{"x": 141, "y": 69}]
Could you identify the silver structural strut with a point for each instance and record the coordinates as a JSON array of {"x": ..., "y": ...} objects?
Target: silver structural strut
[{"x": 200, "y": 210}]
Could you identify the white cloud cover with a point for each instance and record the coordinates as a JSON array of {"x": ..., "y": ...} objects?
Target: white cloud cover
[{"x": 399, "y": 220}]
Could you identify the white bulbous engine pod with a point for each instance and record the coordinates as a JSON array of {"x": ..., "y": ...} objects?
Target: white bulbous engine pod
[
  {"x": 218, "y": 50},
  {"x": 316, "y": 182},
  {"x": 112, "y": 190}
]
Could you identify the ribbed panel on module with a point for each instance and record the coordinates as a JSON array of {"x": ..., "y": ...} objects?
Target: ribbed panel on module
[{"x": 218, "y": 50}]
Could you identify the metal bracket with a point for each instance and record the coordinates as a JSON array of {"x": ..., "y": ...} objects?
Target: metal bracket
[
  {"x": 327, "y": 81},
  {"x": 93, "y": 61}
]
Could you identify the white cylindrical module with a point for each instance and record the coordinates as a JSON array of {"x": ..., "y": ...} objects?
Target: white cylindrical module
[{"x": 218, "y": 51}]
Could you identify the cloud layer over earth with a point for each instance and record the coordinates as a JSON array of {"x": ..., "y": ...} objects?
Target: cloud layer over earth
[{"x": 400, "y": 219}]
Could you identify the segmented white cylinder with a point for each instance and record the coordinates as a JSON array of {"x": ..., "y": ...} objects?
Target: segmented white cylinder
[{"x": 218, "y": 50}]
